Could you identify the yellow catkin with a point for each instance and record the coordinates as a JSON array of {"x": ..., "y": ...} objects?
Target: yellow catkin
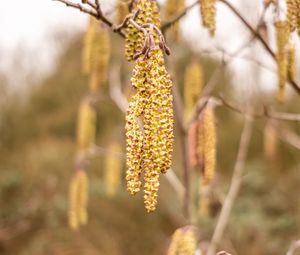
[
  {"x": 208, "y": 14},
  {"x": 82, "y": 194},
  {"x": 122, "y": 10},
  {"x": 78, "y": 199},
  {"x": 291, "y": 61},
  {"x": 193, "y": 83},
  {"x": 183, "y": 242},
  {"x": 86, "y": 125},
  {"x": 96, "y": 54},
  {"x": 172, "y": 9},
  {"x": 148, "y": 13},
  {"x": 209, "y": 145},
  {"x": 292, "y": 14},
  {"x": 73, "y": 217},
  {"x": 281, "y": 39},
  {"x": 149, "y": 120},
  {"x": 113, "y": 169}
]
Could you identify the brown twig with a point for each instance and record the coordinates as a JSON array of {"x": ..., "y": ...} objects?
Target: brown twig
[
  {"x": 95, "y": 12},
  {"x": 234, "y": 186}
]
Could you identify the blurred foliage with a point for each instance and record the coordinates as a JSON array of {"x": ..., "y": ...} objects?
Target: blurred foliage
[{"x": 37, "y": 146}]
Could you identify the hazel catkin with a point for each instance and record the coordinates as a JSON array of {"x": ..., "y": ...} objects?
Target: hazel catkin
[
  {"x": 193, "y": 84},
  {"x": 86, "y": 125},
  {"x": 209, "y": 145},
  {"x": 183, "y": 242},
  {"x": 113, "y": 169},
  {"x": 96, "y": 54},
  {"x": 78, "y": 199},
  {"x": 208, "y": 14},
  {"x": 281, "y": 40}
]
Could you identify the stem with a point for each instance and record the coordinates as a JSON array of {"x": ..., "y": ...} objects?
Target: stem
[{"x": 234, "y": 186}]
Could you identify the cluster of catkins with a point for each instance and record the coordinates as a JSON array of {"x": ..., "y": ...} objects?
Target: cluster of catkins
[
  {"x": 95, "y": 62},
  {"x": 183, "y": 242},
  {"x": 285, "y": 33},
  {"x": 172, "y": 9},
  {"x": 149, "y": 119},
  {"x": 208, "y": 14}
]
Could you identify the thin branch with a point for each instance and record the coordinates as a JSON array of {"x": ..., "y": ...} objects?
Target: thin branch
[
  {"x": 294, "y": 246},
  {"x": 234, "y": 186},
  {"x": 95, "y": 12},
  {"x": 175, "y": 183},
  {"x": 168, "y": 24},
  {"x": 289, "y": 137},
  {"x": 259, "y": 37},
  {"x": 79, "y": 7},
  {"x": 115, "y": 88}
]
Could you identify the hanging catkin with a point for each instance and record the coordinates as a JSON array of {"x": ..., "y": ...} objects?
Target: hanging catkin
[
  {"x": 86, "y": 125},
  {"x": 78, "y": 199},
  {"x": 292, "y": 14},
  {"x": 113, "y": 169},
  {"x": 281, "y": 39},
  {"x": 193, "y": 83},
  {"x": 208, "y": 14},
  {"x": 183, "y": 242},
  {"x": 96, "y": 54},
  {"x": 149, "y": 120},
  {"x": 172, "y": 9},
  {"x": 209, "y": 144},
  {"x": 291, "y": 61}
]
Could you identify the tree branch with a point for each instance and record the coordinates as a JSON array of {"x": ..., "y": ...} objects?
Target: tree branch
[
  {"x": 168, "y": 24},
  {"x": 95, "y": 12},
  {"x": 234, "y": 186}
]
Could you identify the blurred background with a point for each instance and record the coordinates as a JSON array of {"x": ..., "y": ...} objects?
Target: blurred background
[{"x": 41, "y": 86}]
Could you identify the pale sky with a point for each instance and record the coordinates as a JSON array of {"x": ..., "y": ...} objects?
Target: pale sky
[{"x": 31, "y": 24}]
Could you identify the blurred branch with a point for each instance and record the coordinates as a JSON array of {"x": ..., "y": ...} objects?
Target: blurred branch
[
  {"x": 254, "y": 32},
  {"x": 234, "y": 186},
  {"x": 79, "y": 7},
  {"x": 95, "y": 12},
  {"x": 293, "y": 247},
  {"x": 259, "y": 37},
  {"x": 168, "y": 24},
  {"x": 115, "y": 88},
  {"x": 289, "y": 137}
]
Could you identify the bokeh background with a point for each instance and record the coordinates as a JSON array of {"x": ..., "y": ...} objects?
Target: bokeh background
[{"x": 41, "y": 86}]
